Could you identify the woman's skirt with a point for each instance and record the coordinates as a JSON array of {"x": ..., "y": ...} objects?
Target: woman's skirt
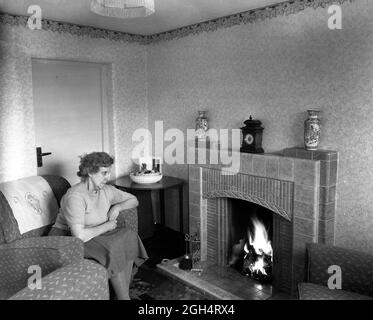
[{"x": 113, "y": 249}]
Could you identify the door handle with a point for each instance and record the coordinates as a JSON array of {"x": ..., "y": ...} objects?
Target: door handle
[{"x": 40, "y": 155}]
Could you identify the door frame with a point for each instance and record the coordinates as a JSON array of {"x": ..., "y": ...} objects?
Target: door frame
[{"x": 106, "y": 100}]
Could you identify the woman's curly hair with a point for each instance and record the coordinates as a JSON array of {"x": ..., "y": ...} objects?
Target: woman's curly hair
[{"x": 91, "y": 163}]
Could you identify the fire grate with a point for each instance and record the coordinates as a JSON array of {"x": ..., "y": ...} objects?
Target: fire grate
[{"x": 257, "y": 266}]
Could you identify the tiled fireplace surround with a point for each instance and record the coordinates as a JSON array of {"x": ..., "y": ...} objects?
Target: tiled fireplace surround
[{"x": 299, "y": 187}]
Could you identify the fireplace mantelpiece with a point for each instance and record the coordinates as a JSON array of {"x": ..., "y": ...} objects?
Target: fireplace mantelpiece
[{"x": 299, "y": 190}]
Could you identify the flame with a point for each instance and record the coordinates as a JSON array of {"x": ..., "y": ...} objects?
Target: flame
[
  {"x": 259, "y": 266},
  {"x": 261, "y": 244}
]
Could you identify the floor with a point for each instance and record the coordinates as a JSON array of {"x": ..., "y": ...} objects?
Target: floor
[
  {"x": 157, "y": 280},
  {"x": 165, "y": 243},
  {"x": 149, "y": 283}
]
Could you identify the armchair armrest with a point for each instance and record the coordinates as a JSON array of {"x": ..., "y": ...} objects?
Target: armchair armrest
[
  {"x": 356, "y": 267},
  {"x": 128, "y": 218},
  {"x": 69, "y": 249},
  {"x": 84, "y": 280},
  {"x": 49, "y": 253}
]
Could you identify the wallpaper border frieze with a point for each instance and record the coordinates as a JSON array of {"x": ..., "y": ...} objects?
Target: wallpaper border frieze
[
  {"x": 251, "y": 16},
  {"x": 280, "y": 9},
  {"x": 74, "y": 29}
]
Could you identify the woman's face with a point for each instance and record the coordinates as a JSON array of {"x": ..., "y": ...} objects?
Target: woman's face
[{"x": 101, "y": 177}]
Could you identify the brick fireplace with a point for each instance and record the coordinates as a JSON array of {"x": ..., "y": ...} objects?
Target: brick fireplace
[{"x": 298, "y": 187}]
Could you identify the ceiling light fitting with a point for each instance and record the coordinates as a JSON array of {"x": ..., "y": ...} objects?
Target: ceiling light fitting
[{"x": 123, "y": 8}]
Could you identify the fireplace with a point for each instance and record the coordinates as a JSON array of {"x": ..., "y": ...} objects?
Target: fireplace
[
  {"x": 294, "y": 194},
  {"x": 220, "y": 211}
]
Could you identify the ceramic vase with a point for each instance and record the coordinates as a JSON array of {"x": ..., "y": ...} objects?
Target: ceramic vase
[
  {"x": 312, "y": 130},
  {"x": 201, "y": 125}
]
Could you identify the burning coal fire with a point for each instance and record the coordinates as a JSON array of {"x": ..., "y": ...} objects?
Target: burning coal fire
[{"x": 257, "y": 253}]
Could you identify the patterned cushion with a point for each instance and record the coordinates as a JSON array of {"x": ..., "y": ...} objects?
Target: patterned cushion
[
  {"x": 311, "y": 291},
  {"x": 85, "y": 280},
  {"x": 356, "y": 267}
]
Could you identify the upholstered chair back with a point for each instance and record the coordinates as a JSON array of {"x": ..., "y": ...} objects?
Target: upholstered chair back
[{"x": 29, "y": 206}]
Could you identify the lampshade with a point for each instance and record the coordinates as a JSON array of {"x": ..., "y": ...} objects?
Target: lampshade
[{"x": 123, "y": 8}]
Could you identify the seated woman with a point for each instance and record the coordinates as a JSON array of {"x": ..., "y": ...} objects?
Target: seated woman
[{"x": 89, "y": 211}]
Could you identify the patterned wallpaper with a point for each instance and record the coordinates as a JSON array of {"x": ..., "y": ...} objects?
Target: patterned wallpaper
[
  {"x": 275, "y": 70},
  {"x": 128, "y": 108}
]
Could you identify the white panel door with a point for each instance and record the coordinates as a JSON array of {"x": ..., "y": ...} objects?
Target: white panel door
[{"x": 70, "y": 113}]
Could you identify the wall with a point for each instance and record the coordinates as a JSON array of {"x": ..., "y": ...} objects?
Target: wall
[
  {"x": 127, "y": 89},
  {"x": 275, "y": 70}
]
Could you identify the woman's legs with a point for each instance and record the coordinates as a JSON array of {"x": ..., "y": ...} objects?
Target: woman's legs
[{"x": 121, "y": 282}]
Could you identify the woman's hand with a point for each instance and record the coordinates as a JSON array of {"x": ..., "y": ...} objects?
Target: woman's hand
[
  {"x": 113, "y": 212},
  {"x": 86, "y": 234},
  {"x": 112, "y": 224}
]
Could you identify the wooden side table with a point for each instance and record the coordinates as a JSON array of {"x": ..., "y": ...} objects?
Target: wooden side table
[{"x": 126, "y": 184}]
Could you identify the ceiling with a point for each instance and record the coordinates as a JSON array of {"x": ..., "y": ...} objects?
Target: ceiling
[{"x": 169, "y": 14}]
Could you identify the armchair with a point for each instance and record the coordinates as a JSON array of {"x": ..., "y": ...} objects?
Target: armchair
[
  {"x": 357, "y": 274},
  {"x": 65, "y": 272},
  {"x": 78, "y": 280}
]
